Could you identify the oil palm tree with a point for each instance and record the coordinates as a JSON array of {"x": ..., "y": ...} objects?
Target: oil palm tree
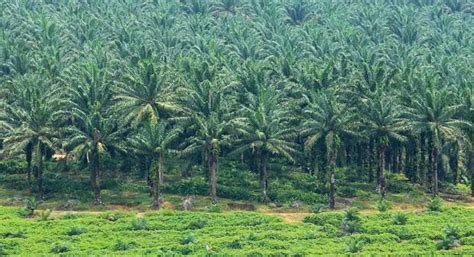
[
  {"x": 432, "y": 111},
  {"x": 154, "y": 141},
  {"x": 94, "y": 128},
  {"x": 264, "y": 130},
  {"x": 327, "y": 119},
  {"x": 31, "y": 120},
  {"x": 206, "y": 103},
  {"x": 381, "y": 119}
]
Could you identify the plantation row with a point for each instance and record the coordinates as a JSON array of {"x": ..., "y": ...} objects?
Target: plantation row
[
  {"x": 169, "y": 233},
  {"x": 312, "y": 86}
]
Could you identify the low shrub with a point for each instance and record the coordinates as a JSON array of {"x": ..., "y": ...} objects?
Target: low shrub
[
  {"x": 139, "y": 224},
  {"x": 354, "y": 245},
  {"x": 213, "y": 208},
  {"x": 18, "y": 234},
  {"x": 351, "y": 223},
  {"x": 435, "y": 205},
  {"x": 74, "y": 231},
  {"x": 189, "y": 239},
  {"x": 383, "y": 205},
  {"x": 198, "y": 223},
  {"x": 29, "y": 207},
  {"x": 400, "y": 218},
  {"x": 9, "y": 167},
  {"x": 60, "y": 248},
  {"x": 44, "y": 215},
  {"x": 124, "y": 246}
]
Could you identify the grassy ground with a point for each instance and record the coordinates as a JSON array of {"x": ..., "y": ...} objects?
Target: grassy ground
[
  {"x": 125, "y": 225},
  {"x": 170, "y": 233}
]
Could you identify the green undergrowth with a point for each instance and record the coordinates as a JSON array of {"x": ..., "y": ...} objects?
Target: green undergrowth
[{"x": 172, "y": 233}]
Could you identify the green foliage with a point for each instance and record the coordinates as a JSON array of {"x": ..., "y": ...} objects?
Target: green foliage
[
  {"x": 44, "y": 215},
  {"x": 352, "y": 222},
  {"x": 213, "y": 208},
  {"x": 383, "y": 205},
  {"x": 13, "y": 166},
  {"x": 354, "y": 245},
  {"x": 400, "y": 218},
  {"x": 239, "y": 233},
  {"x": 60, "y": 248},
  {"x": 435, "y": 205},
  {"x": 189, "y": 239},
  {"x": 198, "y": 223},
  {"x": 124, "y": 246},
  {"x": 139, "y": 224},
  {"x": 77, "y": 230},
  {"x": 451, "y": 238},
  {"x": 30, "y": 205}
]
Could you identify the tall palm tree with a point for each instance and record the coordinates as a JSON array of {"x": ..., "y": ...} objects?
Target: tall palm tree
[
  {"x": 327, "y": 119},
  {"x": 432, "y": 111},
  {"x": 31, "y": 119},
  {"x": 154, "y": 141},
  {"x": 207, "y": 116},
  {"x": 264, "y": 130},
  {"x": 382, "y": 122},
  {"x": 94, "y": 127}
]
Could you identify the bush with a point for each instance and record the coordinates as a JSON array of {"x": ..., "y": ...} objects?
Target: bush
[
  {"x": 112, "y": 216},
  {"x": 435, "y": 205},
  {"x": 139, "y": 224},
  {"x": 383, "y": 206},
  {"x": 18, "y": 234},
  {"x": 76, "y": 231},
  {"x": 324, "y": 218},
  {"x": 318, "y": 208},
  {"x": 213, "y": 208},
  {"x": 123, "y": 246},
  {"x": 400, "y": 218},
  {"x": 29, "y": 207},
  {"x": 44, "y": 215},
  {"x": 351, "y": 223},
  {"x": 451, "y": 238},
  {"x": 9, "y": 167},
  {"x": 452, "y": 231},
  {"x": 60, "y": 248},
  {"x": 189, "y": 239},
  {"x": 354, "y": 245},
  {"x": 234, "y": 245},
  {"x": 198, "y": 223}
]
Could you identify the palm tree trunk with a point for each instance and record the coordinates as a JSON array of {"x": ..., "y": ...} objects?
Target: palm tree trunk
[
  {"x": 94, "y": 177},
  {"x": 332, "y": 179},
  {"x": 471, "y": 166},
  {"x": 156, "y": 184},
  {"x": 263, "y": 177},
  {"x": 332, "y": 191},
  {"x": 212, "y": 164},
  {"x": 38, "y": 155},
  {"x": 381, "y": 170},
  {"x": 40, "y": 176},
  {"x": 161, "y": 169},
  {"x": 29, "y": 154},
  {"x": 434, "y": 168}
]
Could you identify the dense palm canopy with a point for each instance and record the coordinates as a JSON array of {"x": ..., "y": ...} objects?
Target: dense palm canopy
[{"x": 331, "y": 83}]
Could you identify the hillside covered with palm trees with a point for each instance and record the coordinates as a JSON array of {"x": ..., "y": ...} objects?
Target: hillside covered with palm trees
[{"x": 325, "y": 95}]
